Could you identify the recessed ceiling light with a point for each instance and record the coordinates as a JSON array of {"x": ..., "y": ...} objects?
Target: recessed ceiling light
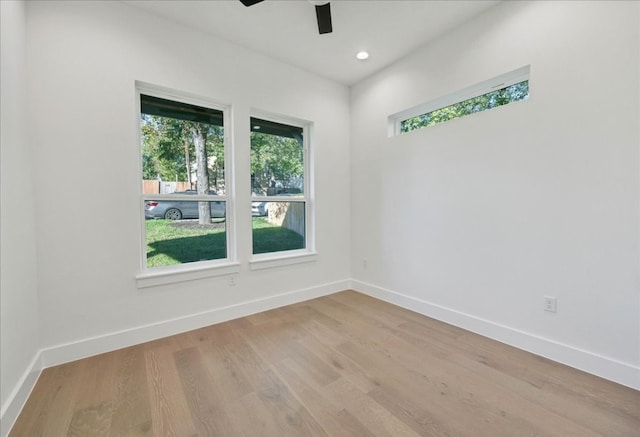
[{"x": 362, "y": 55}]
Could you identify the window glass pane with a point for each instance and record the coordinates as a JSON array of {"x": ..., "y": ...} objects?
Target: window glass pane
[
  {"x": 278, "y": 226},
  {"x": 513, "y": 93},
  {"x": 180, "y": 238},
  {"x": 277, "y": 159},
  {"x": 182, "y": 147}
]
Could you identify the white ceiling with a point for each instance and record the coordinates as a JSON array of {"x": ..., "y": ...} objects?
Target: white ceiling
[{"x": 287, "y": 29}]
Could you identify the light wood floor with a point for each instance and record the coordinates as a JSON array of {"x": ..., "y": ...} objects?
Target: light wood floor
[{"x": 342, "y": 365}]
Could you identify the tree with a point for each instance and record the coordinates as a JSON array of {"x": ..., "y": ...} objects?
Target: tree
[
  {"x": 275, "y": 158},
  {"x": 169, "y": 148},
  {"x": 197, "y": 131},
  {"x": 163, "y": 148}
]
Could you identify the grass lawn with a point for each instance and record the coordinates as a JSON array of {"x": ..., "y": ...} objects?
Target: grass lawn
[
  {"x": 271, "y": 238},
  {"x": 183, "y": 241}
]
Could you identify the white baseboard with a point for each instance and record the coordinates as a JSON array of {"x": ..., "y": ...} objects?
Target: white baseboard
[
  {"x": 12, "y": 407},
  {"x": 64, "y": 353},
  {"x": 604, "y": 367}
]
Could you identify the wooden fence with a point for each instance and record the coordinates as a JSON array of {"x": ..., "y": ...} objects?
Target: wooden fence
[{"x": 161, "y": 187}]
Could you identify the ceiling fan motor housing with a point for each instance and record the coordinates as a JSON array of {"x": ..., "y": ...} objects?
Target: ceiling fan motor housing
[{"x": 323, "y": 13}]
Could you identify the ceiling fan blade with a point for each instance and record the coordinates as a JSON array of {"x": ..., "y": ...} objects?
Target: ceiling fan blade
[
  {"x": 323, "y": 14},
  {"x": 250, "y": 2}
]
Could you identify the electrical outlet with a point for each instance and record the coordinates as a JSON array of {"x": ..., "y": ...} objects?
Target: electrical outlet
[
  {"x": 232, "y": 280},
  {"x": 550, "y": 304},
  {"x": 364, "y": 263}
]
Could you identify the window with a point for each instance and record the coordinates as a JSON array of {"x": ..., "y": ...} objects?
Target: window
[
  {"x": 279, "y": 186},
  {"x": 183, "y": 182},
  {"x": 501, "y": 90},
  {"x": 493, "y": 99}
]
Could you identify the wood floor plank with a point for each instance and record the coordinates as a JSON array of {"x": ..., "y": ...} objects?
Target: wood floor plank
[
  {"x": 170, "y": 412},
  {"x": 378, "y": 419},
  {"x": 50, "y": 406},
  {"x": 293, "y": 419},
  {"x": 340, "y": 365},
  {"x": 131, "y": 411},
  {"x": 231, "y": 367},
  {"x": 94, "y": 421},
  {"x": 205, "y": 403},
  {"x": 253, "y": 417},
  {"x": 343, "y": 365},
  {"x": 96, "y": 393},
  {"x": 334, "y": 418},
  {"x": 315, "y": 368}
]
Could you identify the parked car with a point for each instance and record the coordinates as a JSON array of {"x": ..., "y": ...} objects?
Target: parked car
[
  {"x": 180, "y": 209},
  {"x": 259, "y": 209}
]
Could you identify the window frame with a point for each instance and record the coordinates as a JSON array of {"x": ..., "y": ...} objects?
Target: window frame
[
  {"x": 502, "y": 81},
  {"x": 308, "y": 253},
  {"x": 152, "y": 276}
]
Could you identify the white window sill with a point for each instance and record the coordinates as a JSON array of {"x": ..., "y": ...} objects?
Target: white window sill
[
  {"x": 182, "y": 273},
  {"x": 272, "y": 260}
]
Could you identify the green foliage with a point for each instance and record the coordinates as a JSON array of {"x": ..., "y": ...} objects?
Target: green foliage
[
  {"x": 167, "y": 144},
  {"x": 519, "y": 91},
  {"x": 163, "y": 148},
  {"x": 275, "y": 158}
]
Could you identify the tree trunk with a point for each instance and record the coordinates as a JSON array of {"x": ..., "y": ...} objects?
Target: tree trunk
[
  {"x": 187, "y": 160},
  {"x": 202, "y": 172}
]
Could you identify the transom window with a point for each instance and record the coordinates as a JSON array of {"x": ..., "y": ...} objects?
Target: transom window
[{"x": 502, "y": 90}]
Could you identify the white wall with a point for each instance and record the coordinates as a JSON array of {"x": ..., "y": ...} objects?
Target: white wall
[
  {"x": 84, "y": 59},
  {"x": 19, "y": 342},
  {"x": 474, "y": 220}
]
